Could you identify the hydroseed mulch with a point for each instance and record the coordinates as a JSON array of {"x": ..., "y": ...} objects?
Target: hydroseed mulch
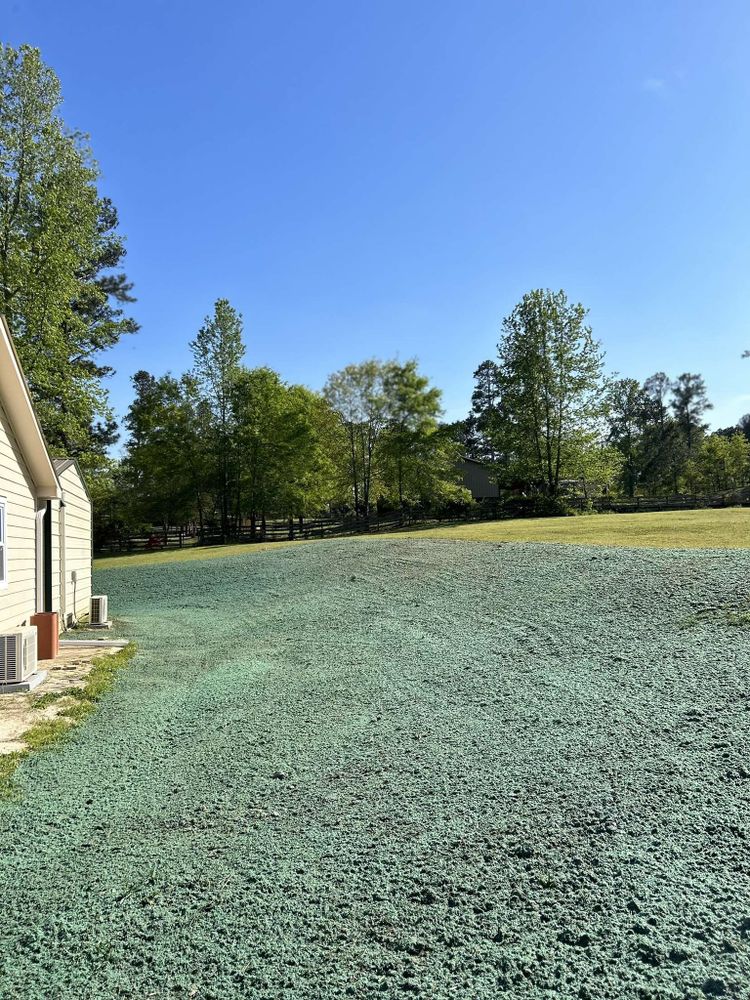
[{"x": 400, "y": 767}]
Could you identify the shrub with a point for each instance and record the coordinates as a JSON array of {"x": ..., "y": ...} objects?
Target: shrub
[{"x": 536, "y": 506}]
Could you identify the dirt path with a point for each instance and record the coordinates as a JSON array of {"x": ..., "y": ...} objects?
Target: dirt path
[{"x": 400, "y": 767}]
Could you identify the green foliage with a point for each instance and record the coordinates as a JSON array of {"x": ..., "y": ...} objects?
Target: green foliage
[
  {"x": 59, "y": 252},
  {"x": 627, "y": 405},
  {"x": 689, "y": 403},
  {"x": 45, "y": 733},
  {"x": 284, "y": 439},
  {"x": 657, "y": 429},
  {"x": 552, "y": 388},
  {"x": 157, "y": 473},
  {"x": 102, "y": 675},
  {"x": 719, "y": 463},
  {"x": 597, "y": 468},
  {"x": 225, "y": 442},
  {"x": 217, "y": 356},
  {"x": 664, "y": 452},
  {"x": 418, "y": 460},
  {"x": 395, "y": 451},
  {"x": 487, "y": 412},
  {"x": 357, "y": 395},
  {"x": 8, "y": 764}
]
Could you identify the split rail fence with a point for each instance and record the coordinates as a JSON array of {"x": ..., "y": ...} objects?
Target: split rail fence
[{"x": 286, "y": 529}]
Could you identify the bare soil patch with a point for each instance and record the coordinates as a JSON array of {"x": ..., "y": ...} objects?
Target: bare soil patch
[{"x": 68, "y": 671}]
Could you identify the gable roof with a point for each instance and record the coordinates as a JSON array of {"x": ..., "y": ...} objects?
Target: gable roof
[
  {"x": 16, "y": 400},
  {"x": 62, "y": 464}
]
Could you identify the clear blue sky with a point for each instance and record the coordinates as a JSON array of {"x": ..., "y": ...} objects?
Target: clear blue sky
[{"x": 389, "y": 178}]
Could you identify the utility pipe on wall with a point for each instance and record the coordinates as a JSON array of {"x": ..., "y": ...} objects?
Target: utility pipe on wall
[{"x": 48, "y": 557}]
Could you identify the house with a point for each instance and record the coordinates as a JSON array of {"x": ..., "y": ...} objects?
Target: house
[
  {"x": 45, "y": 512},
  {"x": 75, "y": 542},
  {"x": 478, "y": 479}
]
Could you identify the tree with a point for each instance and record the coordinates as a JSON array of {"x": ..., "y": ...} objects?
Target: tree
[
  {"x": 663, "y": 447},
  {"x": 314, "y": 440},
  {"x": 356, "y": 394},
  {"x": 413, "y": 408},
  {"x": 689, "y": 404},
  {"x": 260, "y": 411},
  {"x": 418, "y": 461},
  {"x": 465, "y": 434},
  {"x": 59, "y": 254},
  {"x": 627, "y": 407},
  {"x": 157, "y": 467},
  {"x": 596, "y": 467},
  {"x": 719, "y": 463},
  {"x": 486, "y": 409},
  {"x": 286, "y": 439},
  {"x": 217, "y": 353},
  {"x": 552, "y": 385}
]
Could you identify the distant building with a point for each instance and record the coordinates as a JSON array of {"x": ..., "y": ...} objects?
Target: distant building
[{"x": 478, "y": 479}]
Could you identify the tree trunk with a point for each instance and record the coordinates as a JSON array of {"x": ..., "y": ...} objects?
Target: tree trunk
[{"x": 355, "y": 478}]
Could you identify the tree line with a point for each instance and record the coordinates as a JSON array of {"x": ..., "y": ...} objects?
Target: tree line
[
  {"x": 226, "y": 446},
  {"x": 546, "y": 416}
]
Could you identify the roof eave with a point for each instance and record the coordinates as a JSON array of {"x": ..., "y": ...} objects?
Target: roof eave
[{"x": 20, "y": 411}]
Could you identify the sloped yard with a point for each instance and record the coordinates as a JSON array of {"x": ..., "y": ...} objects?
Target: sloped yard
[{"x": 438, "y": 768}]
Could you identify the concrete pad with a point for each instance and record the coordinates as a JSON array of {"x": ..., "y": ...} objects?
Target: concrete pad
[
  {"x": 20, "y": 687},
  {"x": 94, "y": 643}
]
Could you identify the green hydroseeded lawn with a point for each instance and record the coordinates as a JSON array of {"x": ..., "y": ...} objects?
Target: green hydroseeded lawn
[{"x": 399, "y": 766}]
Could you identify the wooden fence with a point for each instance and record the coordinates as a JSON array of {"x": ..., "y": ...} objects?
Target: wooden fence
[
  {"x": 173, "y": 538},
  {"x": 678, "y": 501},
  {"x": 289, "y": 529}
]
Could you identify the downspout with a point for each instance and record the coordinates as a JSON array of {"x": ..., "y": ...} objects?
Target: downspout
[
  {"x": 47, "y": 523},
  {"x": 63, "y": 579},
  {"x": 40, "y": 558}
]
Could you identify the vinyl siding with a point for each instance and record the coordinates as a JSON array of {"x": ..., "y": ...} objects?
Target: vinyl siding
[
  {"x": 18, "y": 599},
  {"x": 77, "y": 520}
]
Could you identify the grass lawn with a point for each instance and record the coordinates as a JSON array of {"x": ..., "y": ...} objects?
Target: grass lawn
[
  {"x": 689, "y": 529},
  {"x": 188, "y": 554},
  {"x": 393, "y": 766}
]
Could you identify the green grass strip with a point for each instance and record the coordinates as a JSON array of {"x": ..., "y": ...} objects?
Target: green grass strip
[{"x": 47, "y": 732}]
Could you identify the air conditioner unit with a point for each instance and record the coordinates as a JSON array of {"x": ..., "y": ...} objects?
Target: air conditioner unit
[
  {"x": 17, "y": 655},
  {"x": 99, "y": 610}
]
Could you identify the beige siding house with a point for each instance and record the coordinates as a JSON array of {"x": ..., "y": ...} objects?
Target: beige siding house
[
  {"x": 73, "y": 557},
  {"x": 45, "y": 512}
]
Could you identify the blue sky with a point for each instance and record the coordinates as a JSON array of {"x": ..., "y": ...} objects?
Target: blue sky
[{"x": 389, "y": 178}]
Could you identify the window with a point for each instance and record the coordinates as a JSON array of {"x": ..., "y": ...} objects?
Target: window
[{"x": 3, "y": 547}]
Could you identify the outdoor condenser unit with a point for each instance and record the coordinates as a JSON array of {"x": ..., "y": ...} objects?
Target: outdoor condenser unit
[
  {"x": 99, "y": 610},
  {"x": 17, "y": 655}
]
